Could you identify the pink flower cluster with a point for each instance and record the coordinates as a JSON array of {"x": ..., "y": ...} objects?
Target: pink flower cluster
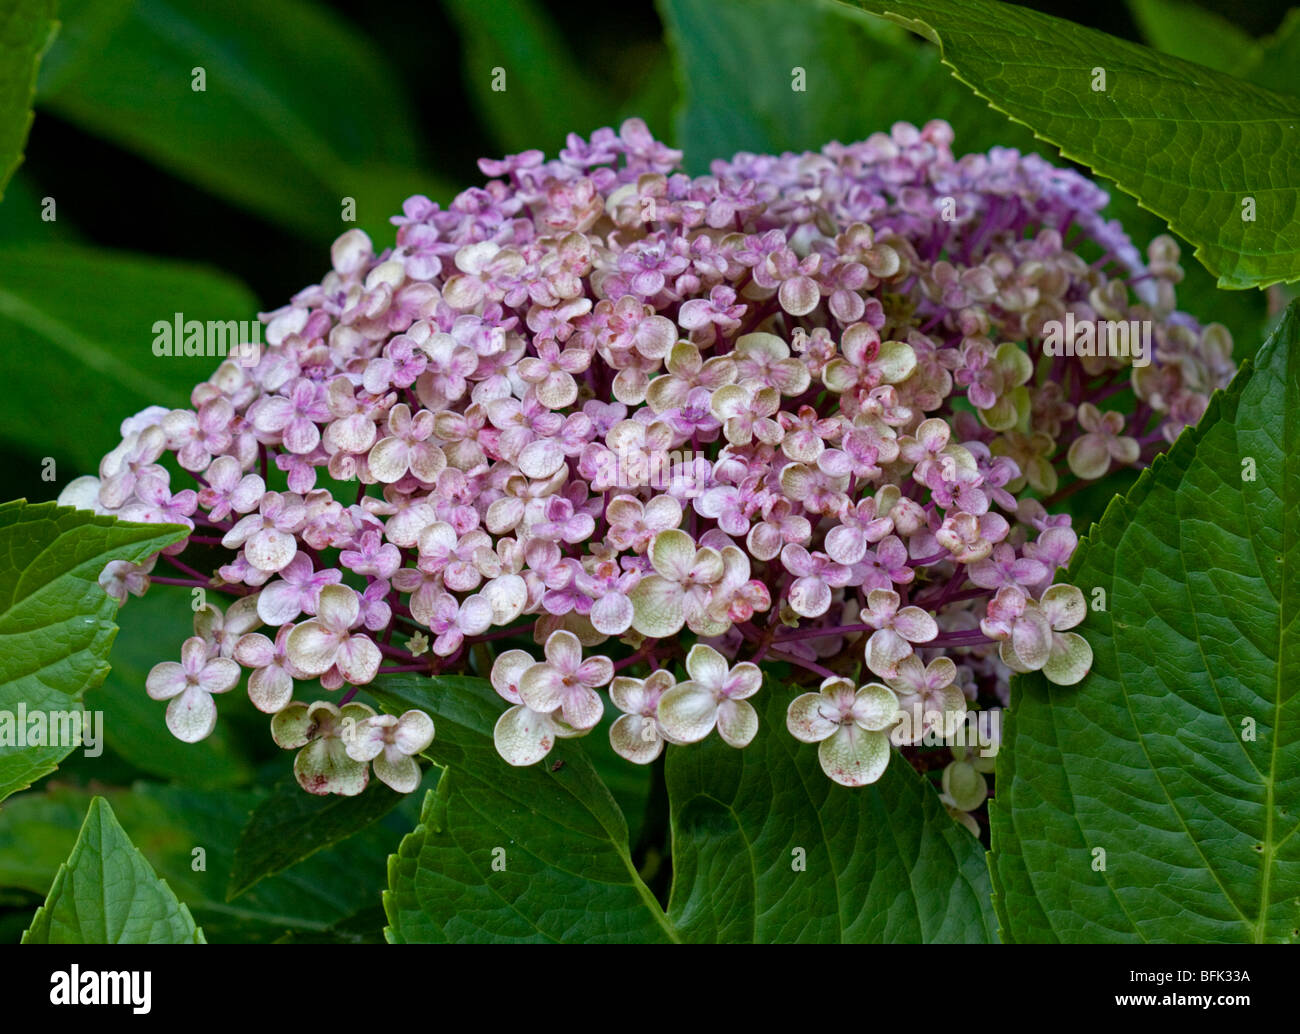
[{"x": 454, "y": 442}]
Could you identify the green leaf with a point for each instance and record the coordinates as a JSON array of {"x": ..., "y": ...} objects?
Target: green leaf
[
  {"x": 558, "y": 838},
  {"x": 82, "y": 319},
  {"x": 106, "y": 893},
  {"x": 1192, "y": 33},
  {"x": 298, "y": 110},
  {"x": 291, "y": 825},
  {"x": 1189, "y": 143},
  {"x": 737, "y": 817},
  {"x": 1195, "y": 34},
  {"x": 883, "y": 863},
  {"x": 27, "y": 28},
  {"x": 737, "y": 61},
  {"x": 1279, "y": 57},
  {"x": 189, "y": 836},
  {"x": 56, "y": 623},
  {"x": 152, "y": 630},
  {"x": 23, "y": 210},
  {"x": 540, "y": 94},
  {"x": 1179, "y": 754}
]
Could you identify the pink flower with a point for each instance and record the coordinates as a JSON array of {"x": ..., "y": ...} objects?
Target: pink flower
[
  {"x": 292, "y": 418},
  {"x": 267, "y": 537},
  {"x": 565, "y": 682},
  {"x": 816, "y": 575},
  {"x": 637, "y": 734},
  {"x": 372, "y": 556},
  {"x": 327, "y": 641},
  {"x": 296, "y": 591},
  {"x": 407, "y": 448},
  {"x": 229, "y": 489},
  {"x": 523, "y": 736},
  {"x": 390, "y": 743},
  {"x": 270, "y": 686},
  {"x": 192, "y": 715},
  {"x": 896, "y": 631}
]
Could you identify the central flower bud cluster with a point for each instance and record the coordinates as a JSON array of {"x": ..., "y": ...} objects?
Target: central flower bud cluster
[{"x": 450, "y": 444}]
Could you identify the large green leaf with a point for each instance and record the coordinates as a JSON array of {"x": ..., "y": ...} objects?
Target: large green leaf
[
  {"x": 77, "y": 324},
  {"x": 1178, "y": 757},
  {"x": 291, "y": 825},
  {"x": 26, "y": 28},
  {"x": 106, "y": 893},
  {"x": 884, "y": 863},
  {"x": 738, "y": 62},
  {"x": 767, "y": 849},
  {"x": 299, "y": 111},
  {"x": 56, "y": 623},
  {"x": 559, "y": 842},
  {"x": 1191, "y": 32},
  {"x": 1279, "y": 58},
  {"x": 189, "y": 837},
  {"x": 1189, "y": 143},
  {"x": 521, "y": 76}
]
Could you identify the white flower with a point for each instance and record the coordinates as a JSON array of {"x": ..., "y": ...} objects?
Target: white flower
[
  {"x": 637, "y": 735},
  {"x": 714, "y": 695},
  {"x": 850, "y": 726},
  {"x": 523, "y": 736},
  {"x": 391, "y": 743}
]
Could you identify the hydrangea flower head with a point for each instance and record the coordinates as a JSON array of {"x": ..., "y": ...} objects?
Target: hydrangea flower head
[{"x": 605, "y": 427}]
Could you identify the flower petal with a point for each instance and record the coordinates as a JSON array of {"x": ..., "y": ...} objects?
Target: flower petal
[
  {"x": 165, "y": 680},
  {"x": 737, "y": 722},
  {"x": 506, "y": 672},
  {"x": 192, "y": 716},
  {"x": 854, "y": 757},
  {"x": 1071, "y": 659},
  {"x": 401, "y": 773},
  {"x": 311, "y": 648},
  {"x": 688, "y": 712},
  {"x": 292, "y": 726},
  {"x": 270, "y": 689},
  {"x": 219, "y": 675},
  {"x": 636, "y": 738},
  {"x": 707, "y": 667},
  {"x": 915, "y": 625},
  {"x": 414, "y": 732},
  {"x": 875, "y": 707},
  {"x": 1064, "y": 606},
  {"x": 358, "y": 659},
  {"x": 964, "y": 785},
  {"x": 657, "y": 609},
  {"x": 323, "y": 767},
  {"x": 524, "y": 736},
  {"x": 805, "y": 718},
  {"x": 338, "y": 607}
]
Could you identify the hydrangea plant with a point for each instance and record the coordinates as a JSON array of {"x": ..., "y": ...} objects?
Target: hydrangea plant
[
  {"x": 653, "y": 431},
  {"x": 780, "y": 515}
]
